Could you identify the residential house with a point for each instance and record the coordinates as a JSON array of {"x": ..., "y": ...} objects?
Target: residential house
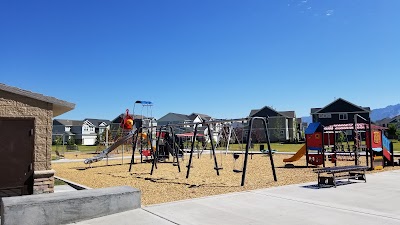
[
  {"x": 176, "y": 118},
  {"x": 301, "y": 128},
  {"x": 340, "y": 111},
  {"x": 83, "y": 132},
  {"x": 100, "y": 126},
  {"x": 282, "y": 125},
  {"x": 62, "y": 129}
]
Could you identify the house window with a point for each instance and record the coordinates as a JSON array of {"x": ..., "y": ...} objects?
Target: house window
[
  {"x": 85, "y": 128},
  {"x": 343, "y": 116}
]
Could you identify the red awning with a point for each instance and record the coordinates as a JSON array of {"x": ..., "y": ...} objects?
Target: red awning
[
  {"x": 190, "y": 134},
  {"x": 350, "y": 126}
]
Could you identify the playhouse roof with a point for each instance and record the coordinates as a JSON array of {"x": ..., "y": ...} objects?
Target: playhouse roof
[{"x": 312, "y": 128}]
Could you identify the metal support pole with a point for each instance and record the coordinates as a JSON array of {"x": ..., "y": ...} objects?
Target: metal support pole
[
  {"x": 354, "y": 140},
  {"x": 213, "y": 150},
  {"x": 323, "y": 147},
  {"x": 134, "y": 142},
  {"x": 155, "y": 154},
  {"x": 191, "y": 152},
  {"x": 246, "y": 156},
  {"x": 391, "y": 152},
  {"x": 270, "y": 150},
  {"x": 247, "y": 151},
  {"x": 141, "y": 145},
  {"x": 334, "y": 144},
  {"x": 366, "y": 147},
  {"x": 175, "y": 148},
  {"x": 307, "y": 151},
  {"x": 370, "y": 144}
]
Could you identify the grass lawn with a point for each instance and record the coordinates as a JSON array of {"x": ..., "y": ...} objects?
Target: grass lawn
[
  {"x": 396, "y": 145},
  {"x": 81, "y": 148},
  {"x": 58, "y": 182}
]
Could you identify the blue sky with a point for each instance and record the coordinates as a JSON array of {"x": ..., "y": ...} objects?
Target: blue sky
[{"x": 221, "y": 58}]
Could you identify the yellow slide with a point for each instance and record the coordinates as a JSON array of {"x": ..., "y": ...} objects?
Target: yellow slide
[{"x": 300, "y": 153}]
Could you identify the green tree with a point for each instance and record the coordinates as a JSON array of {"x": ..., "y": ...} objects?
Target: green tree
[
  {"x": 71, "y": 141},
  {"x": 58, "y": 140},
  {"x": 392, "y": 130},
  {"x": 398, "y": 133},
  {"x": 342, "y": 137}
]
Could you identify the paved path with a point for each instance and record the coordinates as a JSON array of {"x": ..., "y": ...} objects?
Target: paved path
[{"x": 374, "y": 202}]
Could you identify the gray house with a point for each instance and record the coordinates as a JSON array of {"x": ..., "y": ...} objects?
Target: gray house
[
  {"x": 282, "y": 125},
  {"x": 176, "y": 118},
  {"x": 83, "y": 132},
  {"x": 339, "y": 111}
]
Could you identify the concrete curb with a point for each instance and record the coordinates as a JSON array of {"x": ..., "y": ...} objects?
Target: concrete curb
[{"x": 69, "y": 207}]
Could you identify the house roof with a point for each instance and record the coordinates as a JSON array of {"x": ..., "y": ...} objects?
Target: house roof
[
  {"x": 67, "y": 122},
  {"x": 366, "y": 109},
  {"x": 59, "y": 106},
  {"x": 395, "y": 119},
  {"x": 266, "y": 111},
  {"x": 180, "y": 117},
  {"x": 313, "y": 110},
  {"x": 253, "y": 111},
  {"x": 97, "y": 122},
  {"x": 289, "y": 114},
  {"x": 193, "y": 116},
  {"x": 204, "y": 117}
]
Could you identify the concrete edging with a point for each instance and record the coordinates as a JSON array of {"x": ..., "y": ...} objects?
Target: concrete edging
[{"x": 64, "y": 208}]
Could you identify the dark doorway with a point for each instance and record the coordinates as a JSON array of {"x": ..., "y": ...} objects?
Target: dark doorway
[{"x": 16, "y": 156}]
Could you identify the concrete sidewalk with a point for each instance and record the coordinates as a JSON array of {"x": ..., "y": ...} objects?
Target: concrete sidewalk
[{"x": 374, "y": 202}]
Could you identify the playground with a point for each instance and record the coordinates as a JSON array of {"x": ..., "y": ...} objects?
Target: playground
[
  {"x": 166, "y": 184},
  {"x": 164, "y": 173}
]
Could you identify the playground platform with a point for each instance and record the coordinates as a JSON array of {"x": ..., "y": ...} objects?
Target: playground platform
[{"x": 374, "y": 202}]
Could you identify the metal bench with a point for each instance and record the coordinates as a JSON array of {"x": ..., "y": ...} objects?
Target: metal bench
[{"x": 329, "y": 176}]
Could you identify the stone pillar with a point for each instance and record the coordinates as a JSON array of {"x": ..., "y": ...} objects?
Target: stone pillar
[{"x": 43, "y": 181}]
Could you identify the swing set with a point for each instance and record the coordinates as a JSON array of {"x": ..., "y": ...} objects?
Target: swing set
[{"x": 217, "y": 168}]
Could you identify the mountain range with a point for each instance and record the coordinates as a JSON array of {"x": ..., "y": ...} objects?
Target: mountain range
[{"x": 376, "y": 114}]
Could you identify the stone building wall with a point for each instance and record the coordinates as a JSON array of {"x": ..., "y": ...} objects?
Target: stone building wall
[{"x": 16, "y": 106}]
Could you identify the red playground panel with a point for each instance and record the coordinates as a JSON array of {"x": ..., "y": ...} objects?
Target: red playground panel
[
  {"x": 376, "y": 139},
  {"x": 314, "y": 141}
]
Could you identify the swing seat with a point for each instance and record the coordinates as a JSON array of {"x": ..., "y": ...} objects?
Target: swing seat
[
  {"x": 146, "y": 153},
  {"x": 237, "y": 171}
]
